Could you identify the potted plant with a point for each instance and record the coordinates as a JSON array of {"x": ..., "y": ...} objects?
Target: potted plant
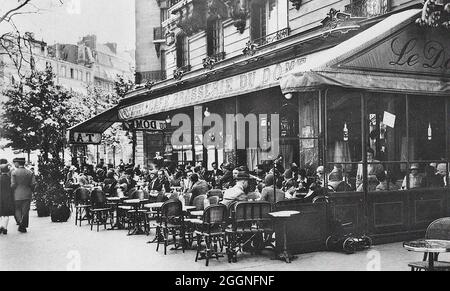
[{"x": 50, "y": 190}]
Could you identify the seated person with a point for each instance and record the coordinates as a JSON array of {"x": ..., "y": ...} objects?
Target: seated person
[
  {"x": 336, "y": 181},
  {"x": 373, "y": 167},
  {"x": 315, "y": 190},
  {"x": 268, "y": 191},
  {"x": 382, "y": 181},
  {"x": 289, "y": 184},
  {"x": 239, "y": 191},
  {"x": 415, "y": 178},
  {"x": 109, "y": 184},
  {"x": 199, "y": 187},
  {"x": 432, "y": 179},
  {"x": 303, "y": 181}
]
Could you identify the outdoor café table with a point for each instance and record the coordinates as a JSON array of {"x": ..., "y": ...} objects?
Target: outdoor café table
[
  {"x": 157, "y": 206},
  {"x": 429, "y": 246},
  {"x": 283, "y": 217},
  {"x": 116, "y": 201},
  {"x": 136, "y": 203}
]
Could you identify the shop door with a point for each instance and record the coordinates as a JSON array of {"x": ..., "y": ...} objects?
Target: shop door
[{"x": 153, "y": 143}]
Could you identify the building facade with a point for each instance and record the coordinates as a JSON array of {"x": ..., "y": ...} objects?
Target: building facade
[{"x": 358, "y": 87}]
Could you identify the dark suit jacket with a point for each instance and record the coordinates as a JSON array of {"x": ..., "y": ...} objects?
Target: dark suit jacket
[{"x": 22, "y": 182}]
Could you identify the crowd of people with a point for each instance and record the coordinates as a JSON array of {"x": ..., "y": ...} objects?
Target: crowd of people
[{"x": 268, "y": 183}]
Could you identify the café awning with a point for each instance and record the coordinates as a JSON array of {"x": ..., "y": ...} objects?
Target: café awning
[
  {"x": 395, "y": 55},
  {"x": 89, "y": 131}
]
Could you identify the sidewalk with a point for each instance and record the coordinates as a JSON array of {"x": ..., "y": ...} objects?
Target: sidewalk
[{"x": 64, "y": 246}]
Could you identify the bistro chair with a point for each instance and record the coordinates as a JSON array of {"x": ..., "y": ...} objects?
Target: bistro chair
[
  {"x": 213, "y": 200},
  {"x": 100, "y": 209},
  {"x": 211, "y": 231},
  {"x": 437, "y": 230},
  {"x": 82, "y": 205},
  {"x": 251, "y": 228},
  {"x": 199, "y": 202},
  {"x": 216, "y": 193},
  {"x": 171, "y": 224}
]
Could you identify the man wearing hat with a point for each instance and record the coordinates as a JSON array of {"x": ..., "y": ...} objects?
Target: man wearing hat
[
  {"x": 239, "y": 191},
  {"x": 22, "y": 183},
  {"x": 415, "y": 178}
]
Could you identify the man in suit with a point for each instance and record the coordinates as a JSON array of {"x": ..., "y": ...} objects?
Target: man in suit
[{"x": 23, "y": 182}]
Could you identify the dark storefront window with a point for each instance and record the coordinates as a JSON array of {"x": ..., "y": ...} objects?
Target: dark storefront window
[
  {"x": 309, "y": 131},
  {"x": 344, "y": 141},
  {"x": 386, "y": 136}
]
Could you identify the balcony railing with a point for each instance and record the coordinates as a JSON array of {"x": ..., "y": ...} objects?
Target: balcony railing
[
  {"x": 143, "y": 77},
  {"x": 173, "y": 2},
  {"x": 367, "y": 8},
  {"x": 273, "y": 37}
]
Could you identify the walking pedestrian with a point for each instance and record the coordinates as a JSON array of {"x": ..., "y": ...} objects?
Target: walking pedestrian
[
  {"x": 6, "y": 198},
  {"x": 23, "y": 182}
]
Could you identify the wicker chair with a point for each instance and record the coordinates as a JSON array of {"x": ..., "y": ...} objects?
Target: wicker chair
[
  {"x": 82, "y": 205},
  {"x": 100, "y": 210},
  {"x": 215, "y": 192},
  {"x": 171, "y": 224},
  {"x": 212, "y": 232},
  {"x": 437, "y": 230},
  {"x": 251, "y": 228}
]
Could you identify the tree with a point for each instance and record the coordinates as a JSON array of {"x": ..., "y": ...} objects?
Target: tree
[
  {"x": 14, "y": 43},
  {"x": 37, "y": 114}
]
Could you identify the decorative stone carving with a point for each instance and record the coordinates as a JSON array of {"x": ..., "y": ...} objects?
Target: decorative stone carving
[
  {"x": 296, "y": 3},
  {"x": 192, "y": 17},
  {"x": 217, "y": 9},
  {"x": 435, "y": 13},
  {"x": 180, "y": 72},
  {"x": 210, "y": 62},
  {"x": 250, "y": 49},
  {"x": 334, "y": 18},
  {"x": 239, "y": 12}
]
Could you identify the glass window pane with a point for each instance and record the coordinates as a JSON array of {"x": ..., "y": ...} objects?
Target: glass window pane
[
  {"x": 427, "y": 128},
  {"x": 309, "y": 131},
  {"x": 344, "y": 126}
]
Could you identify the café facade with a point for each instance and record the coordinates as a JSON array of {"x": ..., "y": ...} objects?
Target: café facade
[{"x": 381, "y": 84}]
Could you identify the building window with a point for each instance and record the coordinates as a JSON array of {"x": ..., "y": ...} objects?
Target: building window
[
  {"x": 214, "y": 35},
  {"x": 268, "y": 17},
  {"x": 182, "y": 51},
  {"x": 72, "y": 74},
  {"x": 63, "y": 71}
]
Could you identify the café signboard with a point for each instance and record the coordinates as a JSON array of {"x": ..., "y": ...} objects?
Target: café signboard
[
  {"x": 233, "y": 86},
  {"x": 412, "y": 50},
  {"x": 84, "y": 138},
  {"x": 145, "y": 125}
]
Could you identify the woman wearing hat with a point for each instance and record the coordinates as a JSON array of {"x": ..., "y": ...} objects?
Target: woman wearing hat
[{"x": 6, "y": 199}]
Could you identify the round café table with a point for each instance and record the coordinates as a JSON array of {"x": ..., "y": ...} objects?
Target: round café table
[
  {"x": 283, "y": 217},
  {"x": 429, "y": 246},
  {"x": 136, "y": 204}
]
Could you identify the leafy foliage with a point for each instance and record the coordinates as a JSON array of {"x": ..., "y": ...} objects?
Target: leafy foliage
[
  {"x": 37, "y": 114},
  {"x": 49, "y": 189}
]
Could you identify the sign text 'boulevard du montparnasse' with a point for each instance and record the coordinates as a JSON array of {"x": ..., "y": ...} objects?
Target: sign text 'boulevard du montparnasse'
[{"x": 244, "y": 83}]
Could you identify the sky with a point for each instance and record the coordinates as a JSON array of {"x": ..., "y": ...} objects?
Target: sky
[{"x": 110, "y": 20}]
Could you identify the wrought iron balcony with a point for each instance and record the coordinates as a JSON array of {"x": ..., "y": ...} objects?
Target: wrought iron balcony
[
  {"x": 367, "y": 8},
  {"x": 273, "y": 37},
  {"x": 173, "y": 2}
]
